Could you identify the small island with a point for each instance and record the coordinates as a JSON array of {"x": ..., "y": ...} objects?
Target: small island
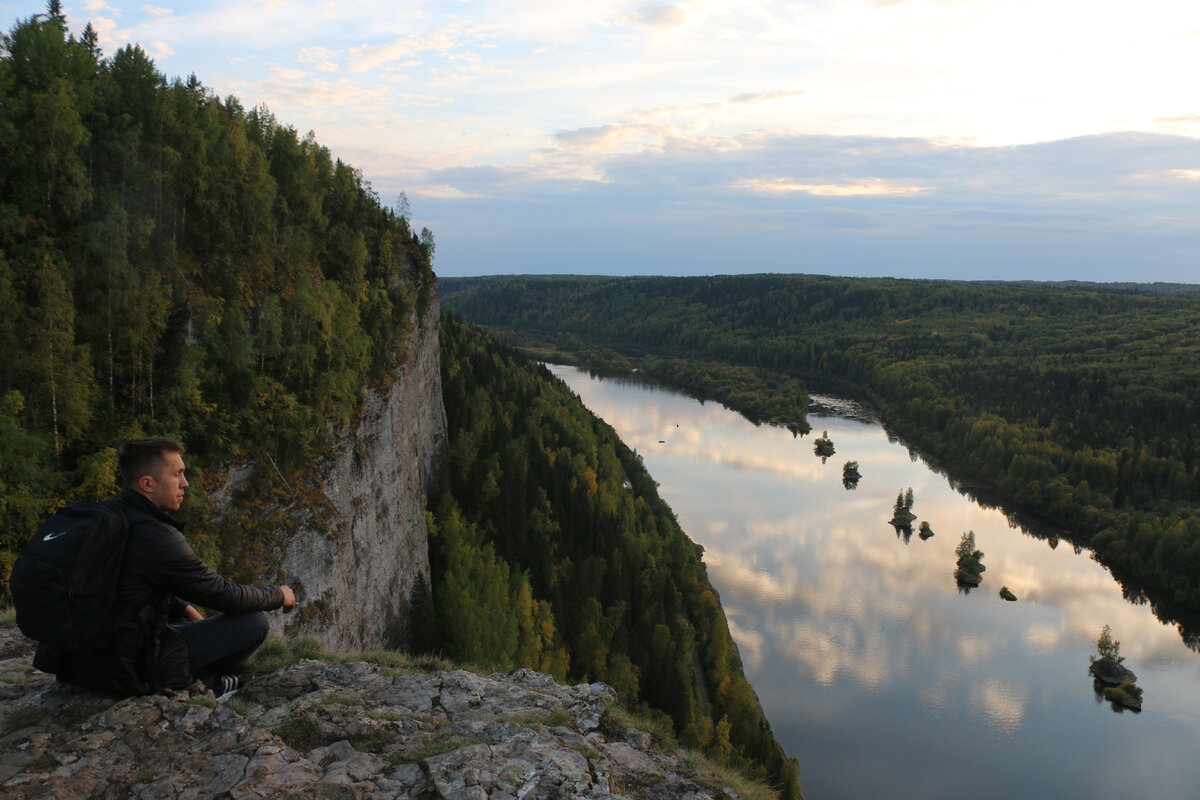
[
  {"x": 902, "y": 515},
  {"x": 1114, "y": 680},
  {"x": 926, "y": 530},
  {"x": 1007, "y": 594},
  {"x": 850, "y": 475},
  {"x": 823, "y": 446},
  {"x": 969, "y": 572}
]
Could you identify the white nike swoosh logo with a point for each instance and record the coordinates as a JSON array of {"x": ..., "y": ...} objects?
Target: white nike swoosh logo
[{"x": 54, "y": 535}]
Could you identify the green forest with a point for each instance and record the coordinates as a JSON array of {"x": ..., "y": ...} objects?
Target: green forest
[
  {"x": 173, "y": 263},
  {"x": 550, "y": 548},
  {"x": 1077, "y": 405}
]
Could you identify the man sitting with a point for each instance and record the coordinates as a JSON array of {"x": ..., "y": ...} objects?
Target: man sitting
[{"x": 161, "y": 641}]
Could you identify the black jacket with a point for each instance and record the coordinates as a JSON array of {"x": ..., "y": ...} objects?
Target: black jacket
[{"x": 160, "y": 575}]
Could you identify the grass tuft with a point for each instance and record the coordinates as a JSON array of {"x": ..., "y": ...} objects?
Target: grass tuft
[
  {"x": 22, "y": 718},
  {"x": 617, "y": 720},
  {"x": 718, "y": 776},
  {"x": 299, "y": 732},
  {"x": 41, "y": 763},
  {"x": 275, "y": 653},
  {"x": 443, "y": 741},
  {"x": 375, "y": 741},
  {"x": 383, "y": 716}
]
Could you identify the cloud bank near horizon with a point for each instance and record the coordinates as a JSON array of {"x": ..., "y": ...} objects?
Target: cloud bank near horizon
[{"x": 1106, "y": 207}]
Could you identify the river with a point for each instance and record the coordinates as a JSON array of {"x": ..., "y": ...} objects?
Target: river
[{"x": 877, "y": 672}]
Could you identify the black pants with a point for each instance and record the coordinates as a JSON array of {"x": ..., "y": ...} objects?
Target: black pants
[{"x": 219, "y": 644}]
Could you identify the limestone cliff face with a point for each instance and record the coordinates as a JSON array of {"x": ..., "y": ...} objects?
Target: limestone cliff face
[{"x": 353, "y": 566}]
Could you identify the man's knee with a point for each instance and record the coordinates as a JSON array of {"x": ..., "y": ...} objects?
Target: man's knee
[
  {"x": 258, "y": 625},
  {"x": 242, "y": 632}
]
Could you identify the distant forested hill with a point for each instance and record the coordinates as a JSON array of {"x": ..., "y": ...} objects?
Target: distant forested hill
[
  {"x": 172, "y": 263},
  {"x": 550, "y": 548},
  {"x": 1079, "y": 404}
]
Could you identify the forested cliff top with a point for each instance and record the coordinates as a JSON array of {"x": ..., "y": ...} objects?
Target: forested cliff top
[{"x": 173, "y": 263}]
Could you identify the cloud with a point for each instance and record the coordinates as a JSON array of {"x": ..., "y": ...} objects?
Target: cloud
[
  {"x": 605, "y": 137},
  {"x": 285, "y": 74},
  {"x": 763, "y": 97},
  {"x": 1185, "y": 118},
  {"x": 159, "y": 49},
  {"x": 862, "y": 186},
  {"x": 658, "y": 16},
  {"x": 367, "y": 57},
  {"x": 287, "y": 87},
  {"x": 480, "y": 181},
  {"x": 467, "y": 73},
  {"x": 310, "y": 55},
  {"x": 101, "y": 5},
  {"x": 448, "y": 43}
]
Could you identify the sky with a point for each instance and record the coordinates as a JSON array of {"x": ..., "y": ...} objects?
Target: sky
[{"x": 962, "y": 139}]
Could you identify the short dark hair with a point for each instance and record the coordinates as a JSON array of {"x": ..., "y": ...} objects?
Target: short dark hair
[{"x": 145, "y": 456}]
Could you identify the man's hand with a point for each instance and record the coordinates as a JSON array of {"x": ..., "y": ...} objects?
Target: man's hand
[
  {"x": 289, "y": 599},
  {"x": 191, "y": 614}
]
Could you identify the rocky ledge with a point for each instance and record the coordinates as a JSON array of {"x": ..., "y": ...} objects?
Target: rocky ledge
[{"x": 319, "y": 729}]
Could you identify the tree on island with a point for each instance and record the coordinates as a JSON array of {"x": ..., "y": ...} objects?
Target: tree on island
[
  {"x": 823, "y": 446},
  {"x": 1113, "y": 679},
  {"x": 902, "y": 516},
  {"x": 970, "y": 562},
  {"x": 1108, "y": 647},
  {"x": 926, "y": 530},
  {"x": 850, "y": 475}
]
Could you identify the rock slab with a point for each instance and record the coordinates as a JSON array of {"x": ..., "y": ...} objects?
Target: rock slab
[{"x": 315, "y": 729}]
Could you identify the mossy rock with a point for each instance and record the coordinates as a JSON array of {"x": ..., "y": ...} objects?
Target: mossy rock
[
  {"x": 968, "y": 578},
  {"x": 1126, "y": 693},
  {"x": 1111, "y": 671}
]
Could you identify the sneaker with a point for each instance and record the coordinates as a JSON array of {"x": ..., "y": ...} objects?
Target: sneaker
[{"x": 228, "y": 685}]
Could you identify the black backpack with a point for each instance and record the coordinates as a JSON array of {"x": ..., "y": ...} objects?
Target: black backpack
[{"x": 64, "y": 583}]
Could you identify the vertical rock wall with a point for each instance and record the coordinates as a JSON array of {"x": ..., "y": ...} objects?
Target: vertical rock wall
[{"x": 354, "y": 575}]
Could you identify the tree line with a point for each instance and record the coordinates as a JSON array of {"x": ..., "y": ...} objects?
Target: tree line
[
  {"x": 175, "y": 263},
  {"x": 1077, "y": 404},
  {"x": 551, "y": 548}
]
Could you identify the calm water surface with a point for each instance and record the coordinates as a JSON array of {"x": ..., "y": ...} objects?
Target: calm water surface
[{"x": 876, "y": 671}]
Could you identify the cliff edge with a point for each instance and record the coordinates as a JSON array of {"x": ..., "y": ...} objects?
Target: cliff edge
[
  {"x": 354, "y": 550},
  {"x": 333, "y": 729}
]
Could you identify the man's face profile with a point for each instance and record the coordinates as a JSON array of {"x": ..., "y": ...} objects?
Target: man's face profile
[{"x": 166, "y": 490}]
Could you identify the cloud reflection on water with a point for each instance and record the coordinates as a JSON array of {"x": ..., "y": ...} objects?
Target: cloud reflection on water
[
  {"x": 851, "y": 633},
  {"x": 1002, "y": 703}
]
